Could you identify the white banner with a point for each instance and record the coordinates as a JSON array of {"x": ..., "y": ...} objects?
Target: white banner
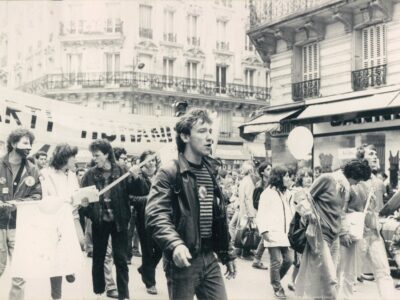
[{"x": 46, "y": 242}]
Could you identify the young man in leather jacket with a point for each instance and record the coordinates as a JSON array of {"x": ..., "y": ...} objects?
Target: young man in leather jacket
[{"x": 186, "y": 215}]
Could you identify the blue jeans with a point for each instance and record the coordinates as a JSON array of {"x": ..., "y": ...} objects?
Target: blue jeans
[
  {"x": 281, "y": 260},
  {"x": 202, "y": 278}
]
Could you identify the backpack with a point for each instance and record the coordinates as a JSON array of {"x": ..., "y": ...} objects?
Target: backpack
[{"x": 297, "y": 233}]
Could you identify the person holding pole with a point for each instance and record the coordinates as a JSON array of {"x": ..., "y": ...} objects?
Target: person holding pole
[
  {"x": 19, "y": 180},
  {"x": 110, "y": 216}
]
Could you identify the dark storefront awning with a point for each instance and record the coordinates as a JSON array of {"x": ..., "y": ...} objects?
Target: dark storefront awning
[
  {"x": 350, "y": 108},
  {"x": 269, "y": 121}
]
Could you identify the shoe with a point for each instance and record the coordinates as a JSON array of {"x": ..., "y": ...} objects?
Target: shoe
[
  {"x": 259, "y": 265},
  {"x": 112, "y": 294},
  {"x": 397, "y": 286},
  {"x": 70, "y": 278},
  {"x": 90, "y": 254},
  {"x": 290, "y": 286},
  {"x": 136, "y": 253},
  {"x": 368, "y": 276},
  {"x": 280, "y": 294},
  {"x": 360, "y": 279},
  {"x": 152, "y": 290}
]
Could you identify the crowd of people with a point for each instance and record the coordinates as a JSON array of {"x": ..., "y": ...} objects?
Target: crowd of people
[{"x": 189, "y": 211}]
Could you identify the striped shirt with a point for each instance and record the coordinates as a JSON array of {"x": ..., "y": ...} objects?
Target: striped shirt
[{"x": 205, "y": 188}]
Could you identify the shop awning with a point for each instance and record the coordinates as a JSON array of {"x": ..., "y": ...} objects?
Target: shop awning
[
  {"x": 350, "y": 108},
  {"x": 231, "y": 152},
  {"x": 267, "y": 122}
]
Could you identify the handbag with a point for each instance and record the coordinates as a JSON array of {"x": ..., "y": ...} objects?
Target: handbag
[
  {"x": 247, "y": 237},
  {"x": 355, "y": 221},
  {"x": 297, "y": 233}
]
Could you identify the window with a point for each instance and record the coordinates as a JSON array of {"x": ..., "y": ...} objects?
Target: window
[
  {"x": 248, "y": 45},
  {"x": 192, "y": 35},
  {"x": 74, "y": 66},
  {"x": 169, "y": 35},
  {"x": 168, "y": 67},
  {"x": 225, "y": 127},
  {"x": 113, "y": 23},
  {"x": 145, "y": 30},
  {"x": 310, "y": 61},
  {"x": 221, "y": 79},
  {"x": 374, "y": 46},
  {"x": 226, "y": 3},
  {"x": 222, "y": 44},
  {"x": 249, "y": 77},
  {"x": 192, "y": 70},
  {"x": 113, "y": 62}
]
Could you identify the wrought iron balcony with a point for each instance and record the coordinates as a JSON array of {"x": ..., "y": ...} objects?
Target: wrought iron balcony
[
  {"x": 146, "y": 33},
  {"x": 369, "y": 77},
  {"x": 268, "y": 11},
  {"x": 90, "y": 27},
  {"x": 146, "y": 81},
  {"x": 170, "y": 37},
  {"x": 305, "y": 89},
  {"x": 223, "y": 46}
]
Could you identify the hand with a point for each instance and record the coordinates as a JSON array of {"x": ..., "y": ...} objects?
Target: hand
[
  {"x": 85, "y": 202},
  {"x": 230, "y": 270},
  {"x": 311, "y": 218},
  {"x": 181, "y": 256},
  {"x": 134, "y": 170},
  {"x": 346, "y": 240}
]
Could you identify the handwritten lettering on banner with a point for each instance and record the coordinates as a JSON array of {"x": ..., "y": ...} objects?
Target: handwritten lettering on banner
[{"x": 46, "y": 244}]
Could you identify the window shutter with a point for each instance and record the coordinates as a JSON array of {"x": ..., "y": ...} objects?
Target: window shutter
[
  {"x": 310, "y": 61},
  {"x": 374, "y": 46}
]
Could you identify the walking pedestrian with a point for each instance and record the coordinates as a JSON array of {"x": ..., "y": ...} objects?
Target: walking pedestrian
[
  {"x": 186, "y": 215},
  {"x": 109, "y": 216},
  {"x": 273, "y": 220}
]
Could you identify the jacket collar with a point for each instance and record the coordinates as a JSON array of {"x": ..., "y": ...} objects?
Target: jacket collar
[
  {"x": 115, "y": 171},
  {"x": 28, "y": 164},
  {"x": 185, "y": 167}
]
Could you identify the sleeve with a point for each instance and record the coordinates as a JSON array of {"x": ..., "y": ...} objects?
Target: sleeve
[
  {"x": 158, "y": 214},
  {"x": 266, "y": 211},
  {"x": 248, "y": 198},
  {"x": 320, "y": 186}
]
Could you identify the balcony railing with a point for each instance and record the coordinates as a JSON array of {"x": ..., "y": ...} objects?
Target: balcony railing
[
  {"x": 170, "y": 37},
  {"x": 369, "y": 77},
  {"x": 87, "y": 27},
  {"x": 145, "y": 81},
  {"x": 268, "y": 11},
  {"x": 146, "y": 33},
  {"x": 193, "y": 40},
  {"x": 305, "y": 89},
  {"x": 223, "y": 46}
]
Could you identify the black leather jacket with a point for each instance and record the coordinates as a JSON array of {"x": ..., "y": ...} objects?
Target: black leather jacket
[{"x": 173, "y": 211}]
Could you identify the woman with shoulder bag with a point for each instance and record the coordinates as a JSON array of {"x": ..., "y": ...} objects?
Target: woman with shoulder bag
[{"x": 273, "y": 219}]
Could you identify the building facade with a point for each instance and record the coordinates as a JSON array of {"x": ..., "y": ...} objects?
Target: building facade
[
  {"x": 335, "y": 68},
  {"x": 141, "y": 57}
]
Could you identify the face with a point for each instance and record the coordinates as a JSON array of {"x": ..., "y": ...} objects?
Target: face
[
  {"x": 267, "y": 172},
  {"x": 80, "y": 174},
  {"x": 287, "y": 181},
  {"x": 317, "y": 173},
  {"x": 123, "y": 159},
  {"x": 150, "y": 167},
  {"x": 23, "y": 146},
  {"x": 307, "y": 180},
  {"x": 199, "y": 141},
  {"x": 100, "y": 158},
  {"x": 372, "y": 158},
  {"x": 42, "y": 161},
  {"x": 71, "y": 164}
]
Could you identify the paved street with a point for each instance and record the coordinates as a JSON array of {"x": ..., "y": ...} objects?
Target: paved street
[{"x": 250, "y": 284}]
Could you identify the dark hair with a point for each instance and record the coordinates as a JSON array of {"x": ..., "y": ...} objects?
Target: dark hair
[
  {"x": 104, "y": 146},
  {"x": 61, "y": 154},
  {"x": 186, "y": 122},
  {"x": 357, "y": 169},
  {"x": 144, "y": 155},
  {"x": 360, "y": 154},
  {"x": 39, "y": 154},
  {"x": 262, "y": 167},
  {"x": 276, "y": 177},
  {"x": 318, "y": 168},
  {"x": 118, "y": 151},
  {"x": 292, "y": 170},
  {"x": 301, "y": 174},
  {"x": 16, "y": 135},
  {"x": 31, "y": 159}
]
